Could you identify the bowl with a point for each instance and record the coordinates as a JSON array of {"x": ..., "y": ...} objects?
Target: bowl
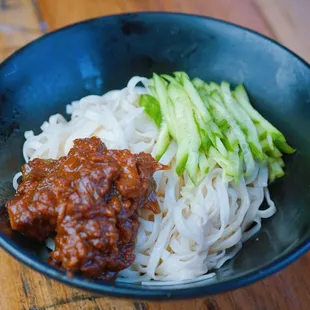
[{"x": 101, "y": 54}]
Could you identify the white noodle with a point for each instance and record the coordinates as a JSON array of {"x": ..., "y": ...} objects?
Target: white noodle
[
  {"x": 15, "y": 180},
  {"x": 199, "y": 228}
]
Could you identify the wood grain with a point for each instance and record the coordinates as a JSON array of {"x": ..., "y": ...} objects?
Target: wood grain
[
  {"x": 23, "y": 288},
  {"x": 289, "y": 21},
  {"x": 59, "y": 13},
  {"x": 18, "y": 26}
]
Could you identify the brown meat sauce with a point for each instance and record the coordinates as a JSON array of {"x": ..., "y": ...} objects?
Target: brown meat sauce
[{"x": 90, "y": 199}]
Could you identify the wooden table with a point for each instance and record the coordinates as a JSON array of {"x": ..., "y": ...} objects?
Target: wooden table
[{"x": 285, "y": 20}]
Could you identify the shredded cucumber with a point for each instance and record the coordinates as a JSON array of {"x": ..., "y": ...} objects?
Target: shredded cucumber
[
  {"x": 212, "y": 125},
  {"x": 216, "y": 103},
  {"x": 279, "y": 139},
  {"x": 163, "y": 141},
  {"x": 160, "y": 89},
  {"x": 151, "y": 108},
  {"x": 189, "y": 136},
  {"x": 244, "y": 122}
]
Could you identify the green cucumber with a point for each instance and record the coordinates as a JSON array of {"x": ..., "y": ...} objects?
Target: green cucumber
[
  {"x": 203, "y": 163},
  {"x": 275, "y": 169},
  {"x": 151, "y": 108},
  {"x": 212, "y": 125},
  {"x": 163, "y": 141},
  {"x": 216, "y": 103},
  {"x": 198, "y": 83},
  {"x": 160, "y": 89},
  {"x": 284, "y": 147},
  {"x": 202, "y": 115},
  {"x": 243, "y": 100},
  {"x": 190, "y": 135},
  {"x": 244, "y": 121},
  {"x": 195, "y": 98}
]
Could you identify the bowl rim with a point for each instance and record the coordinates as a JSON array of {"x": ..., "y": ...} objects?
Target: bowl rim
[{"x": 153, "y": 293}]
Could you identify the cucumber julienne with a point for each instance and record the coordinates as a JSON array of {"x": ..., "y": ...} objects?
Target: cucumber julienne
[{"x": 212, "y": 125}]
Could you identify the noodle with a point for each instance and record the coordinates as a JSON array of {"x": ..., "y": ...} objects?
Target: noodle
[{"x": 199, "y": 227}]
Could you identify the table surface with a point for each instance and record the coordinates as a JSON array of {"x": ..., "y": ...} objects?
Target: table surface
[{"x": 283, "y": 20}]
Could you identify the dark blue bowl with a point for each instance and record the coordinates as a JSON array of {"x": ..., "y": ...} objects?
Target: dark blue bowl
[{"x": 95, "y": 56}]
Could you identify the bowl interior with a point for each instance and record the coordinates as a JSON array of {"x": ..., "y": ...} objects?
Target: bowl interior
[{"x": 102, "y": 54}]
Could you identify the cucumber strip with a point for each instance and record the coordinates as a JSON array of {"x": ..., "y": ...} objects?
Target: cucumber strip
[
  {"x": 151, "y": 89},
  {"x": 270, "y": 141},
  {"x": 262, "y": 133},
  {"x": 198, "y": 83},
  {"x": 195, "y": 98},
  {"x": 173, "y": 121},
  {"x": 257, "y": 153},
  {"x": 204, "y": 167},
  {"x": 204, "y": 127},
  {"x": 232, "y": 139},
  {"x": 205, "y": 141},
  {"x": 203, "y": 163},
  {"x": 269, "y": 145},
  {"x": 244, "y": 101},
  {"x": 214, "y": 87},
  {"x": 212, "y": 125},
  {"x": 244, "y": 121},
  {"x": 217, "y": 116},
  {"x": 275, "y": 169},
  {"x": 151, "y": 108},
  {"x": 216, "y": 130},
  {"x": 228, "y": 145},
  {"x": 163, "y": 141},
  {"x": 275, "y": 153},
  {"x": 216, "y": 103},
  {"x": 202, "y": 115},
  {"x": 186, "y": 123},
  {"x": 160, "y": 87},
  {"x": 192, "y": 165},
  {"x": 221, "y": 147},
  {"x": 234, "y": 168},
  {"x": 182, "y": 128},
  {"x": 281, "y": 162},
  {"x": 194, "y": 145},
  {"x": 242, "y": 98},
  {"x": 284, "y": 147},
  {"x": 219, "y": 158},
  {"x": 265, "y": 143},
  {"x": 206, "y": 88},
  {"x": 169, "y": 79},
  {"x": 181, "y": 157},
  {"x": 178, "y": 76}
]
